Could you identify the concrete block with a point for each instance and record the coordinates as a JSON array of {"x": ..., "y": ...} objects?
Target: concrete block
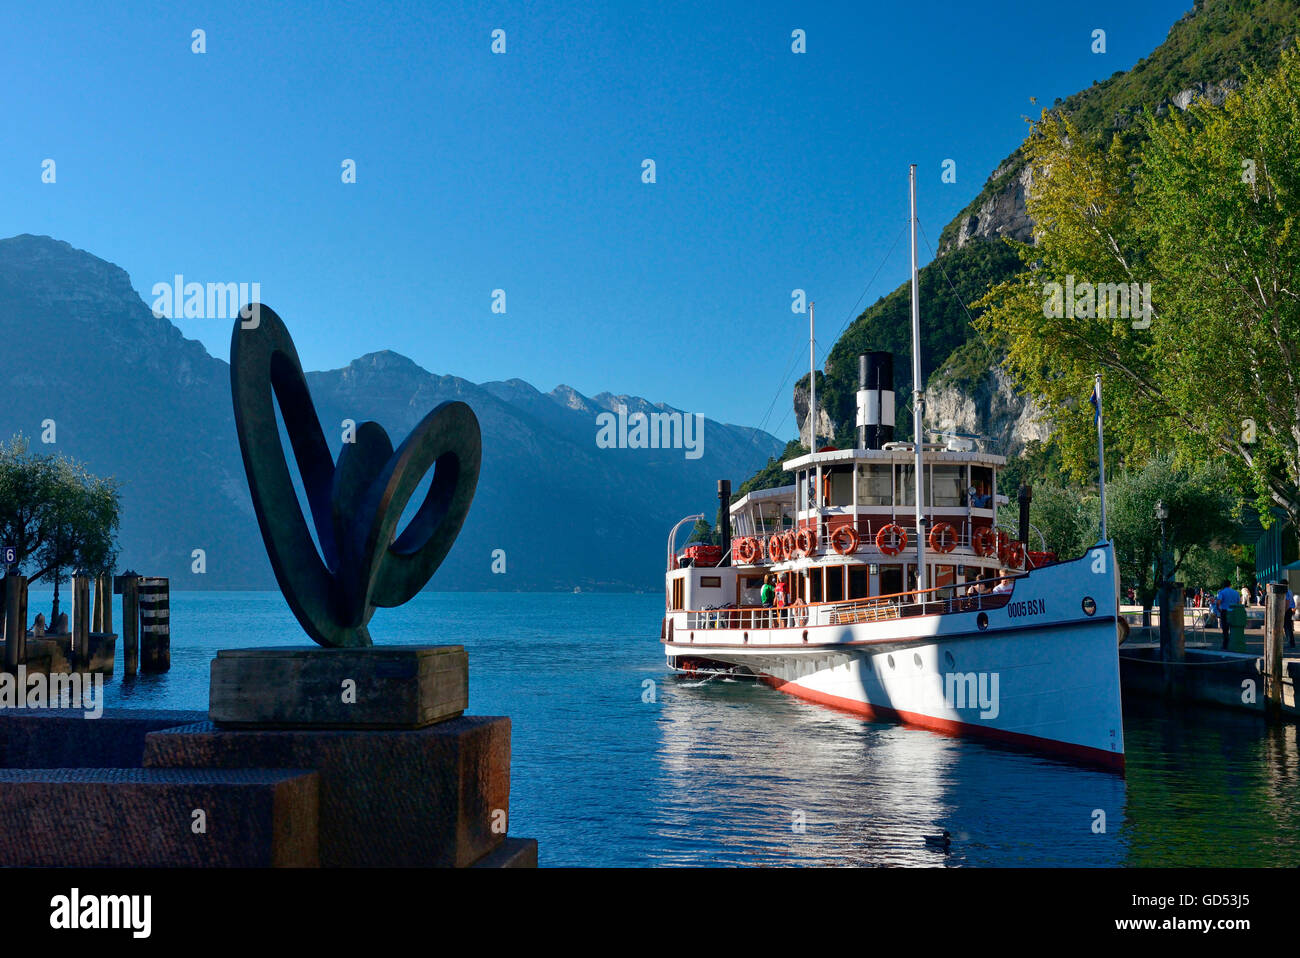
[
  {"x": 197, "y": 818},
  {"x": 311, "y": 687},
  {"x": 412, "y": 797}
]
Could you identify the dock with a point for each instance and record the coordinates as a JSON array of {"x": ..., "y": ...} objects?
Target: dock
[{"x": 1207, "y": 675}]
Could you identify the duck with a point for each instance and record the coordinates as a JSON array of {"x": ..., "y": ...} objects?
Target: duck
[{"x": 939, "y": 842}]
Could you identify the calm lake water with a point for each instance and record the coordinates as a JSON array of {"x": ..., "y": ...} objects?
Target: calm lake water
[{"x": 732, "y": 773}]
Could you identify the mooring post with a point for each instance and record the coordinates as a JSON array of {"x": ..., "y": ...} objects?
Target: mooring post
[
  {"x": 129, "y": 586},
  {"x": 15, "y": 621},
  {"x": 1177, "y": 623},
  {"x": 155, "y": 626},
  {"x": 103, "y": 604},
  {"x": 80, "y": 623},
  {"x": 1274, "y": 639}
]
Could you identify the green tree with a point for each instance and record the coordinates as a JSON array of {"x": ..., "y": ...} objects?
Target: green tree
[
  {"x": 1063, "y": 515},
  {"x": 1201, "y": 513},
  {"x": 57, "y": 515},
  {"x": 1207, "y": 217},
  {"x": 701, "y": 532}
]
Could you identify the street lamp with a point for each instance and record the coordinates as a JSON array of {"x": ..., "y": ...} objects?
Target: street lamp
[{"x": 1166, "y": 634}]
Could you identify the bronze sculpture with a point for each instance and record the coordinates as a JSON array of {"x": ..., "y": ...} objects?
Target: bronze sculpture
[{"x": 355, "y": 505}]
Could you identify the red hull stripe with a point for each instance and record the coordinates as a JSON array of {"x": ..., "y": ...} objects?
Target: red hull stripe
[{"x": 1112, "y": 761}]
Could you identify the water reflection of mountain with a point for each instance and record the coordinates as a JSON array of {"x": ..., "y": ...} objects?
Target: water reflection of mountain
[{"x": 739, "y": 763}]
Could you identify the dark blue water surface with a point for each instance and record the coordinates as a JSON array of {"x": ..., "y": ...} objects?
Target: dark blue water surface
[{"x": 617, "y": 762}]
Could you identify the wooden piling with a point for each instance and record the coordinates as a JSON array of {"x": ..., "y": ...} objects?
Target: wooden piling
[
  {"x": 80, "y": 622},
  {"x": 128, "y": 586},
  {"x": 155, "y": 625},
  {"x": 103, "y": 620},
  {"x": 1274, "y": 640},
  {"x": 15, "y": 621},
  {"x": 1177, "y": 623}
]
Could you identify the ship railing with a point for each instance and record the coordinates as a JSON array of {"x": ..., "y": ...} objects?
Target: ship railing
[{"x": 938, "y": 600}]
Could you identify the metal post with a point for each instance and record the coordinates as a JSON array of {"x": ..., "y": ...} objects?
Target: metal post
[
  {"x": 812, "y": 382},
  {"x": 918, "y": 397}
]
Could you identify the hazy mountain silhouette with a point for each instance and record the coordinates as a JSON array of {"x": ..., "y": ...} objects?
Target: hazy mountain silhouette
[{"x": 131, "y": 397}]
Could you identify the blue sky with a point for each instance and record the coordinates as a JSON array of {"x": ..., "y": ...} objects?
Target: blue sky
[{"x": 523, "y": 171}]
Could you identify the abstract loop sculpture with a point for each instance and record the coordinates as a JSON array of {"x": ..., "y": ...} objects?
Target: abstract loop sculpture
[{"x": 356, "y": 504}]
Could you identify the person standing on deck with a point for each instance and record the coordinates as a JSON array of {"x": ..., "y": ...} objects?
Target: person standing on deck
[
  {"x": 767, "y": 594},
  {"x": 1225, "y": 600},
  {"x": 780, "y": 600}
]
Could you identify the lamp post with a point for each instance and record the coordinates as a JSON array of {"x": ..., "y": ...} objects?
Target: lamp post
[{"x": 1162, "y": 586}]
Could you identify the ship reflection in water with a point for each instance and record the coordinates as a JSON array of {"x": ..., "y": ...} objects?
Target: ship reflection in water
[
  {"x": 751, "y": 776},
  {"x": 785, "y": 782}
]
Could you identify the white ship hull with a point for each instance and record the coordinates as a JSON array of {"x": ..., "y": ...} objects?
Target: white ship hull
[{"x": 1034, "y": 670}]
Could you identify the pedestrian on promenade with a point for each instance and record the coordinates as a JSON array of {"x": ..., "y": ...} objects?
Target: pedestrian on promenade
[{"x": 1225, "y": 600}]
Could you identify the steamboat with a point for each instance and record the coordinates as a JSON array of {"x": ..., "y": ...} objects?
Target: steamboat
[{"x": 879, "y": 581}]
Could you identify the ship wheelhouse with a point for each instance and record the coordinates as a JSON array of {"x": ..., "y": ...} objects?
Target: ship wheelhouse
[{"x": 846, "y": 527}]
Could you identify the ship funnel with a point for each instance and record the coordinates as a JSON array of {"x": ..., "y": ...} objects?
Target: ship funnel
[{"x": 875, "y": 399}]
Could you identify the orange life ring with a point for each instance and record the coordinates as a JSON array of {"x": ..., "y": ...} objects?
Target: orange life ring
[
  {"x": 787, "y": 545},
  {"x": 982, "y": 542},
  {"x": 845, "y": 540},
  {"x": 895, "y": 532},
  {"x": 805, "y": 542},
  {"x": 1013, "y": 554},
  {"x": 774, "y": 548},
  {"x": 943, "y": 537},
  {"x": 746, "y": 550}
]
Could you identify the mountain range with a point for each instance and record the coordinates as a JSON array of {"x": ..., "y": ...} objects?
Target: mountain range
[{"x": 132, "y": 398}]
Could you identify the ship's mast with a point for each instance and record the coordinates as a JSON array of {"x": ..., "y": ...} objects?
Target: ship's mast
[
  {"x": 812, "y": 382},
  {"x": 917, "y": 397}
]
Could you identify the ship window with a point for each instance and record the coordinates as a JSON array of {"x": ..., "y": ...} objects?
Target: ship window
[
  {"x": 981, "y": 478},
  {"x": 815, "y": 585},
  {"x": 891, "y": 579},
  {"x": 838, "y": 485},
  {"x": 944, "y": 575},
  {"x": 834, "y": 583},
  {"x": 875, "y": 486},
  {"x": 906, "y": 484},
  {"x": 859, "y": 582},
  {"x": 949, "y": 485},
  {"x": 679, "y": 590},
  {"x": 710, "y": 582},
  {"x": 801, "y": 485}
]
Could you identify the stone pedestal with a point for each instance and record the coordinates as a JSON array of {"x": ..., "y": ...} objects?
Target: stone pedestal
[
  {"x": 195, "y": 818},
  {"x": 312, "y": 687},
  {"x": 436, "y": 796}
]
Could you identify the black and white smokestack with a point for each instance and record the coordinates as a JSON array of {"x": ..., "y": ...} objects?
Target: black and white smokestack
[{"x": 875, "y": 399}]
